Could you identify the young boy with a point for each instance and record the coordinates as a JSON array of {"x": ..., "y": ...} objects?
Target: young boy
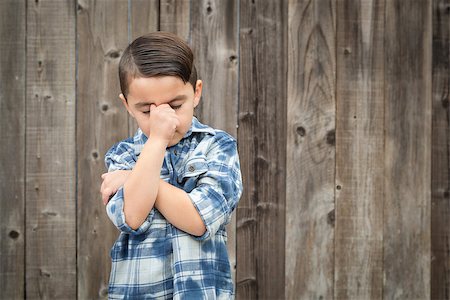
[{"x": 173, "y": 186}]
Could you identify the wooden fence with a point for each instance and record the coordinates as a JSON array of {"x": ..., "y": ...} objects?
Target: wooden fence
[{"x": 340, "y": 108}]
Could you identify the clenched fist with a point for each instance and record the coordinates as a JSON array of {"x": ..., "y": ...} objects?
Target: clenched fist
[{"x": 163, "y": 122}]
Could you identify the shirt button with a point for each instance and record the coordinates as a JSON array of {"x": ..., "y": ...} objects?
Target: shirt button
[
  {"x": 191, "y": 168},
  {"x": 175, "y": 151}
]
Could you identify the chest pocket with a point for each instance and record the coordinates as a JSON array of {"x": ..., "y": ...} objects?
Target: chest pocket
[{"x": 189, "y": 174}]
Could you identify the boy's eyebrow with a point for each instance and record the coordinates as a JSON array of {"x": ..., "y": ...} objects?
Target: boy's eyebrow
[{"x": 147, "y": 103}]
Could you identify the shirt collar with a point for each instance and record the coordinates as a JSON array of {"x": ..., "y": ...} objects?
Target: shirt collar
[{"x": 196, "y": 127}]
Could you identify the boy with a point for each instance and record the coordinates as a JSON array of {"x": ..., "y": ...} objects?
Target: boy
[{"x": 173, "y": 186}]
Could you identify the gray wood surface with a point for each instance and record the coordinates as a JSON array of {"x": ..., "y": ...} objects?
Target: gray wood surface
[
  {"x": 50, "y": 150},
  {"x": 359, "y": 150},
  {"x": 440, "y": 155},
  {"x": 408, "y": 100},
  {"x": 214, "y": 38},
  {"x": 101, "y": 122},
  {"x": 343, "y": 114},
  {"x": 310, "y": 142},
  {"x": 262, "y": 145},
  {"x": 175, "y": 17},
  {"x": 12, "y": 149}
]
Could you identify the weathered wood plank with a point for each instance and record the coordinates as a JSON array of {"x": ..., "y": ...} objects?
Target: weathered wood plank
[
  {"x": 175, "y": 17},
  {"x": 359, "y": 149},
  {"x": 144, "y": 18},
  {"x": 50, "y": 150},
  {"x": 12, "y": 149},
  {"x": 440, "y": 149},
  {"x": 408, "y": 101},
  {"x": 214, "y": 39},
  {"x": 310, "y": 150},
  {"x": 101, "y": 122},
  {"x": 262, "y": 146}
]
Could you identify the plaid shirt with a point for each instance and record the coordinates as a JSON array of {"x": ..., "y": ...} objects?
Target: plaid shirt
[{"x": 158, "y": 260}]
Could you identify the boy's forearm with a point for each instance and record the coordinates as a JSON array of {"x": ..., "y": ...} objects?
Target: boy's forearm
[
  {"x": 176, "y": 206},
  {"x": 139, "y": 194}
]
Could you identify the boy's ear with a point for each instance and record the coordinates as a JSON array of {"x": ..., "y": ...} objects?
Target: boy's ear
[
  {"x": 125, "y": 103},
  {"x": 198, "y": 92}
]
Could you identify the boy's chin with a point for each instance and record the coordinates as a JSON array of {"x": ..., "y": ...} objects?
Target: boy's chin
[{"x": 176, "y": 139}]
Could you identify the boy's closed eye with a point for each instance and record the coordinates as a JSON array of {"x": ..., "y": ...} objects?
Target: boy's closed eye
[{"x": 175, "y": 107}]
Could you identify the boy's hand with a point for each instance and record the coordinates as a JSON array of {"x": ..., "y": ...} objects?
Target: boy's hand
[
  {"x": 163, "y": 122},
  {"x": 112, "y": 182}
]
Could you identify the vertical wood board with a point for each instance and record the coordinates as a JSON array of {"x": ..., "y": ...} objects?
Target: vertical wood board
[
  {"x": 440, "y": 157},
  {"x": 408, "y": 100},
  {"x": 262, "y": 145},
  {"x": 50, "y": 150},
  {"x": 359, "y": 150},
  {"x": 12, "y": 149},
  {"x": 310, "y": 150},
  {"x": 101, "y": 122}
]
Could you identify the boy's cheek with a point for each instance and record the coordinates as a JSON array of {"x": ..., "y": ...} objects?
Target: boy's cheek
[{"x": 144, "y": 125}]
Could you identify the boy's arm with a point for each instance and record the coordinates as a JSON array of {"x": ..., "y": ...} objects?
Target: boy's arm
[
  {"x": 176, "y": 206},
  {"x": 140, "y": 195},
  {"x": 185, "y": 217}
]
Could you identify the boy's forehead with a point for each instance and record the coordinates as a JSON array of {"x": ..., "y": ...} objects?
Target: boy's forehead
[
  {"x": 157, "y": 90},
  {"x": 140, "y": 103}
]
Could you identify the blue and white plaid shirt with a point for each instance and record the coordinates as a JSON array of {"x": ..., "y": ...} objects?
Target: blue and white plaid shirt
[{"x": 158, "y": 260}]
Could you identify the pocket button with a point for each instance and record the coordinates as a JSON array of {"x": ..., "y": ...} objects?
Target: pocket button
[{"x": 191, "y": 168}]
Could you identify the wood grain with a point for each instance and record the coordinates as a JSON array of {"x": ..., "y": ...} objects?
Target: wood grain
[
  {"x": 262, "y": 147},
  {"x": 175, "y": 17},
  {"x": 50, "y": 150},
  {"x": 358, "y": 212},
  {"x": 214, "y": 39},
  {"x": 12, "y": 149},
  {"x": 440, "y": 157},
  {"x": 310, "y": 150},
  {"x": 408, "y": 101},
  {"x": 101, "y": 122},
  {"x": 359, "y": 149}
]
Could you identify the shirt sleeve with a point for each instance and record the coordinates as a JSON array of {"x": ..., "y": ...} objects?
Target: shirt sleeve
[
  {"x": 120, "y": 157},
  {"x": 218, "y": 190}
]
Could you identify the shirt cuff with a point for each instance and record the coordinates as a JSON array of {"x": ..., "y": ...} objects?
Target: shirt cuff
[
  {"x": 115, "y": 212},
  {"x": 212, "y": 208}
]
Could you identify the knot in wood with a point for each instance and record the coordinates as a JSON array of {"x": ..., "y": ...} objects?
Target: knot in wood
[
  {"x": 13, "y": 234},
  {"x": 331, "y": 217},
  {"x": 331, "y": 137},
  {"x": 300, "y": 131},
  {"x": 105, "y": 107}
]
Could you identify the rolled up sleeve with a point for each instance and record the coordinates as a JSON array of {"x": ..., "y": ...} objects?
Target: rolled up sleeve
[
  {"x": 115, "y": 212},
  {"x": 120, "y": 157},
  {"x": 218, "y": 190}
]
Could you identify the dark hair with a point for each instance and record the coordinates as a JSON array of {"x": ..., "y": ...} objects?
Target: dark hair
[{"x": 157, "y": 54}]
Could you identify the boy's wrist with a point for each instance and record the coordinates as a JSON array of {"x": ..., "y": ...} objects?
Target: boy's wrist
[{"x": 158, "y": 142}]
